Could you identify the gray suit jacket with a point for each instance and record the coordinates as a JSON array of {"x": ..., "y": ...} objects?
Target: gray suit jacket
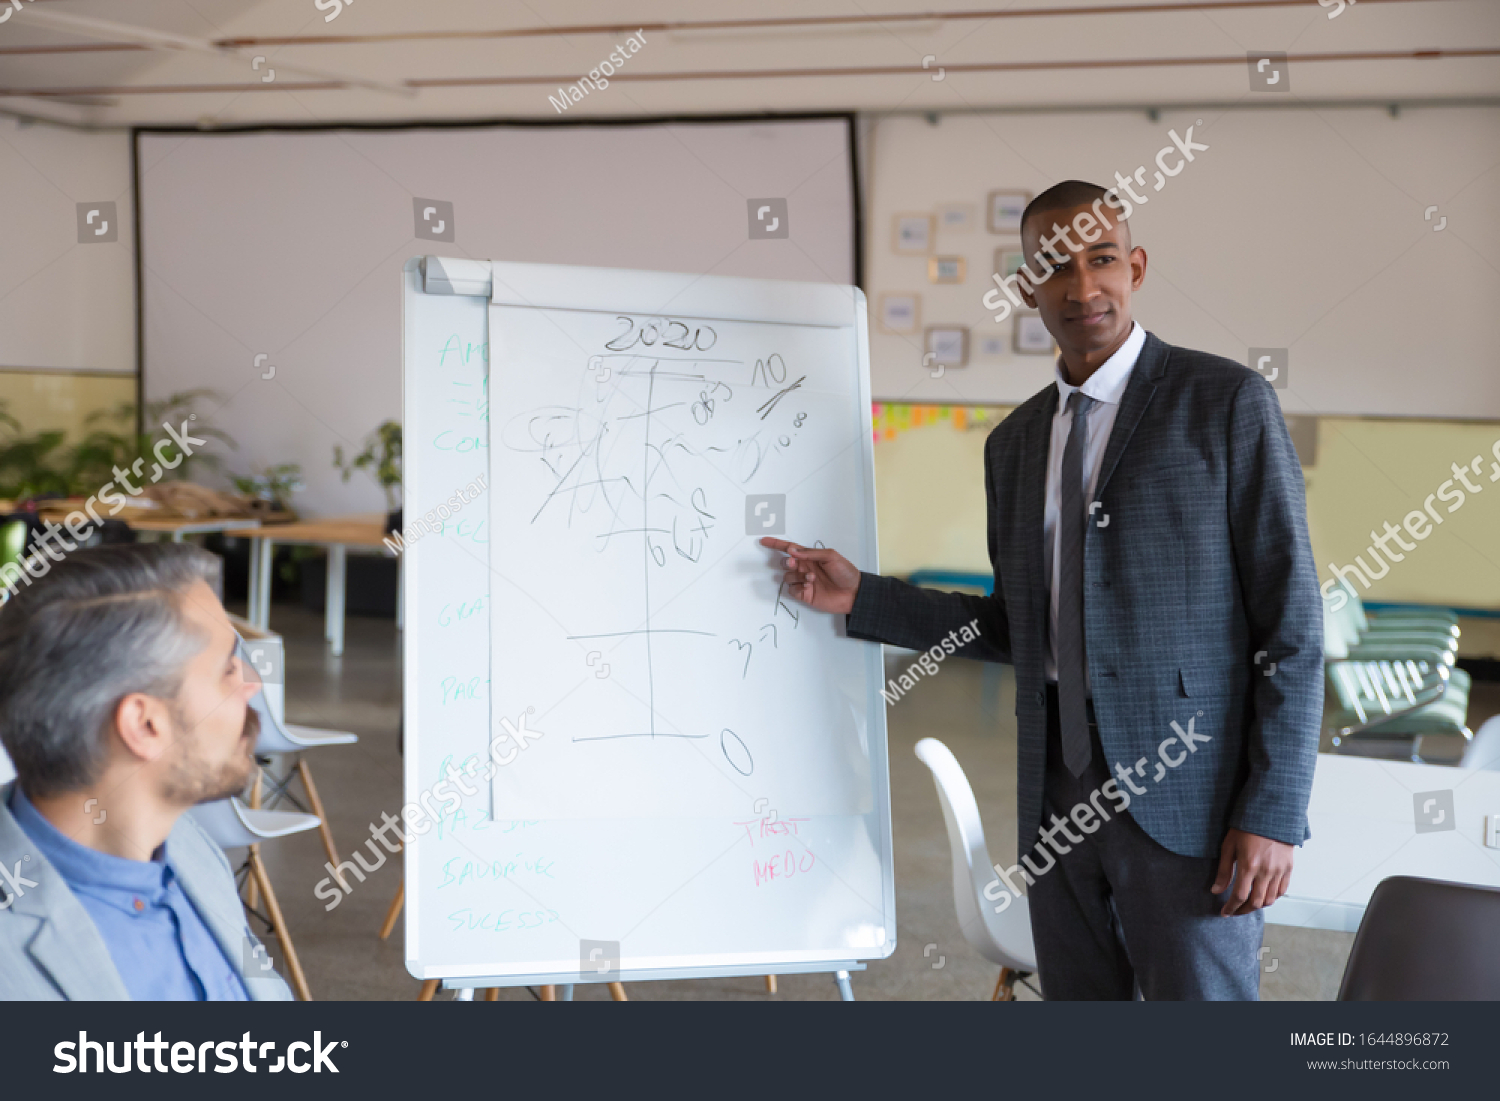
[
  {"x": 50, "y": 949},
  {"x": 1201, "y": 602}
]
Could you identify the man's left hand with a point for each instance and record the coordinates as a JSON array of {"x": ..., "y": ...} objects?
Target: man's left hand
[{"x": 1261, "y": 869}]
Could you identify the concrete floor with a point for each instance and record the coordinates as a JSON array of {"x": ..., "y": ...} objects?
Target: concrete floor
[{"x": 969, "y": 706}]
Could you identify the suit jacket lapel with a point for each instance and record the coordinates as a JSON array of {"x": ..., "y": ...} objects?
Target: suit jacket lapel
[
  {"x": 63, "y": 940},
  {"x": 77, "y": 960},
  {"x": 221, "y": 911},
  {"x": 1138, "y": 391},
  {"x": 1033, "y": 491}
]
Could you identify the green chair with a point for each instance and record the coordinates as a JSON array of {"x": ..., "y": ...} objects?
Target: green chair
[
  {"x": 1389, "y": 707},
  {"x": 1423, "y": 633},
  {"x": 12, "y": 541},
  {"x": 12, "y": 548}
]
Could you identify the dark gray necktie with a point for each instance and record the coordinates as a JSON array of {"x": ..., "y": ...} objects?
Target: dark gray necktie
[{"x": 1071, "y": 671}]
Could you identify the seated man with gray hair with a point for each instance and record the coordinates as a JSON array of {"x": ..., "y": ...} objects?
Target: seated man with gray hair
[{"x": 122, "y": 705}]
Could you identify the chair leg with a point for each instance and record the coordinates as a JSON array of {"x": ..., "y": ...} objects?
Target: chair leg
[
  {"x": 317, "y": 808},
  {"x": 395, "y": 911},
  {"x": 549, "y": 993},
  {"x": 278, "y": 924},
  {"x": 1005, "y": 986},
  {"x": 429, "y": 988},
  {"x": 252, "y": 897},
  {"x": 617, "y": 992},
  {"x": 770, "y": 984}
]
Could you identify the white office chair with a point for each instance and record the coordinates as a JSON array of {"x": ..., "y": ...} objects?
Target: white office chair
[
  {"x": 279, "y": 738},
  {"x": 1003, "y": 938},
  {"x": 1483, "y": 750},
  {"x": 232, "y": 825}
]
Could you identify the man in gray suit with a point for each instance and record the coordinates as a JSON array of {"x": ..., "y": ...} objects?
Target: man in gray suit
[
  {"x": 1156, "y": 594},
  {"x": 122, "y": 705}
]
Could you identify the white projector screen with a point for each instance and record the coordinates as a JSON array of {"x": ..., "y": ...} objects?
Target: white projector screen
[{"x": 288, "y": 245}]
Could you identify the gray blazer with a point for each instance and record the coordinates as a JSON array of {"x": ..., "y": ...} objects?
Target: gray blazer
[
  {"x": 1201, "y": 601},
  {"x": 50, "y": 949}
]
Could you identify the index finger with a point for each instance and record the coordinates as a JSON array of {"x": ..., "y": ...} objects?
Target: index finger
[{"x": 779, "y": 544}]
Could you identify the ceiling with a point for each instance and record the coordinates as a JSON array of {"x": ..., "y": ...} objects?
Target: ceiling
[{"x": 113, "y": 63}]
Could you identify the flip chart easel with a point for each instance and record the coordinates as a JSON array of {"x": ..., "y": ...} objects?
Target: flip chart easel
[{"x": 708, "y": 792}]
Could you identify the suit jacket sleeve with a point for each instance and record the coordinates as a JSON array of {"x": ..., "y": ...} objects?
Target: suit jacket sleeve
[
  {"x": 1279, "y": 588},
  {"x": 890, "y": 610}
]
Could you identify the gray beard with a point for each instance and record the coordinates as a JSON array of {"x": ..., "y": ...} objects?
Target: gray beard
[{"x": 190, "y": 781}]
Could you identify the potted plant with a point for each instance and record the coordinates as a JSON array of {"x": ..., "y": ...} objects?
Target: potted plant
[
  {"x": 381, "y": 459},
  {"x": 91, "y": 464},
  {"x": 272, "y": 488}
]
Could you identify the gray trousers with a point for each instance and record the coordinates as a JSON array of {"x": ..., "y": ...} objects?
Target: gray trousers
[{"x": 1120, "y": 915}]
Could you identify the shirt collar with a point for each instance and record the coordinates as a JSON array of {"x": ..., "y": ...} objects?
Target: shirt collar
[
  {"x": 115, "y": 878},
  {"x": 1108, "y": 382}
]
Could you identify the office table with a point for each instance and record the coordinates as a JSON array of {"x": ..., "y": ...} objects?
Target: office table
[
  {"x": 1371, "y": 819},
  {"x": 338, "y": 534}
]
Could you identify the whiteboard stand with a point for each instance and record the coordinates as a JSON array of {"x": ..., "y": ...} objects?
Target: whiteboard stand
[
  {"x": 816, "y": 749},
  {"x": 565, "y": 981}
]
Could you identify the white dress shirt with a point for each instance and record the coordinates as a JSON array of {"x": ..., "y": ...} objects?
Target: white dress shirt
[{"x": 1106, "y": 386}]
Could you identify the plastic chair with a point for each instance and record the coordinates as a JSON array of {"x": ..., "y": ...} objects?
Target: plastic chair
[
  {"x": 232, "y": 825},
  {"x": 1003, "y": 938},
  {"x": 278, "y": 738},
  {"x": 1426, "y": 940},
  {"x": 1483, "y": 751}
]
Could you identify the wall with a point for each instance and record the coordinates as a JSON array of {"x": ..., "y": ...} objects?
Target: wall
[
  {"x": 53, "y": 400},
  {"x": 929, "y": 484},
  {"x": 288, "y": 246},
  {"x": 64, "y": 304},
  {"x": 1298, "y": 228}
]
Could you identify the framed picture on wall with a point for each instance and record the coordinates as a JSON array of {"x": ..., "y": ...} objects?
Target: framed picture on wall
[
  {"x": 1009, "y": 259},
  {"x": 991, "y": 347},
  {"x": 899, "y": 313},
  {"x": 1005, "y": 210},
  {"x": 948, "y": 345},
  {"x": 956, "y": 217},
  {"x": 946, "y": 269},
  {"x": 912, "y": 234},
  {"x": 1031, "y": 336}
]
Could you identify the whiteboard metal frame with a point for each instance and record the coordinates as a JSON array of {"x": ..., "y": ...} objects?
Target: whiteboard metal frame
[
  {"x": 651, "y": 974},
  {"x": 774, "y": 302}
]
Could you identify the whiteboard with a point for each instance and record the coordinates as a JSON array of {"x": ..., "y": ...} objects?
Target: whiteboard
[{"x": 703, "y": 782}]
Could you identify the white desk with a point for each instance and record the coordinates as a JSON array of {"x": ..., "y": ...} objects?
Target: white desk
[{"x": 1364, "y": 817}]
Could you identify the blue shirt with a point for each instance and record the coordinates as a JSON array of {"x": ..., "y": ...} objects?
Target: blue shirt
[{"x": 160, "y": 946}]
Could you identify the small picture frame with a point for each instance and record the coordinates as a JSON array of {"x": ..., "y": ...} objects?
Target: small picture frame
[
  {"x": 899, "y": 313},
  {"x": 1005, "y": 210},
  {"x": 911, "y": 234},
  {"x": 1031, "y": 337},
  {"x": 1009, "y": 259},
  {"x": 947, "y": 345},
  {"x": 946, "y": 269},
  {"x": 957, "y": 218}
]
